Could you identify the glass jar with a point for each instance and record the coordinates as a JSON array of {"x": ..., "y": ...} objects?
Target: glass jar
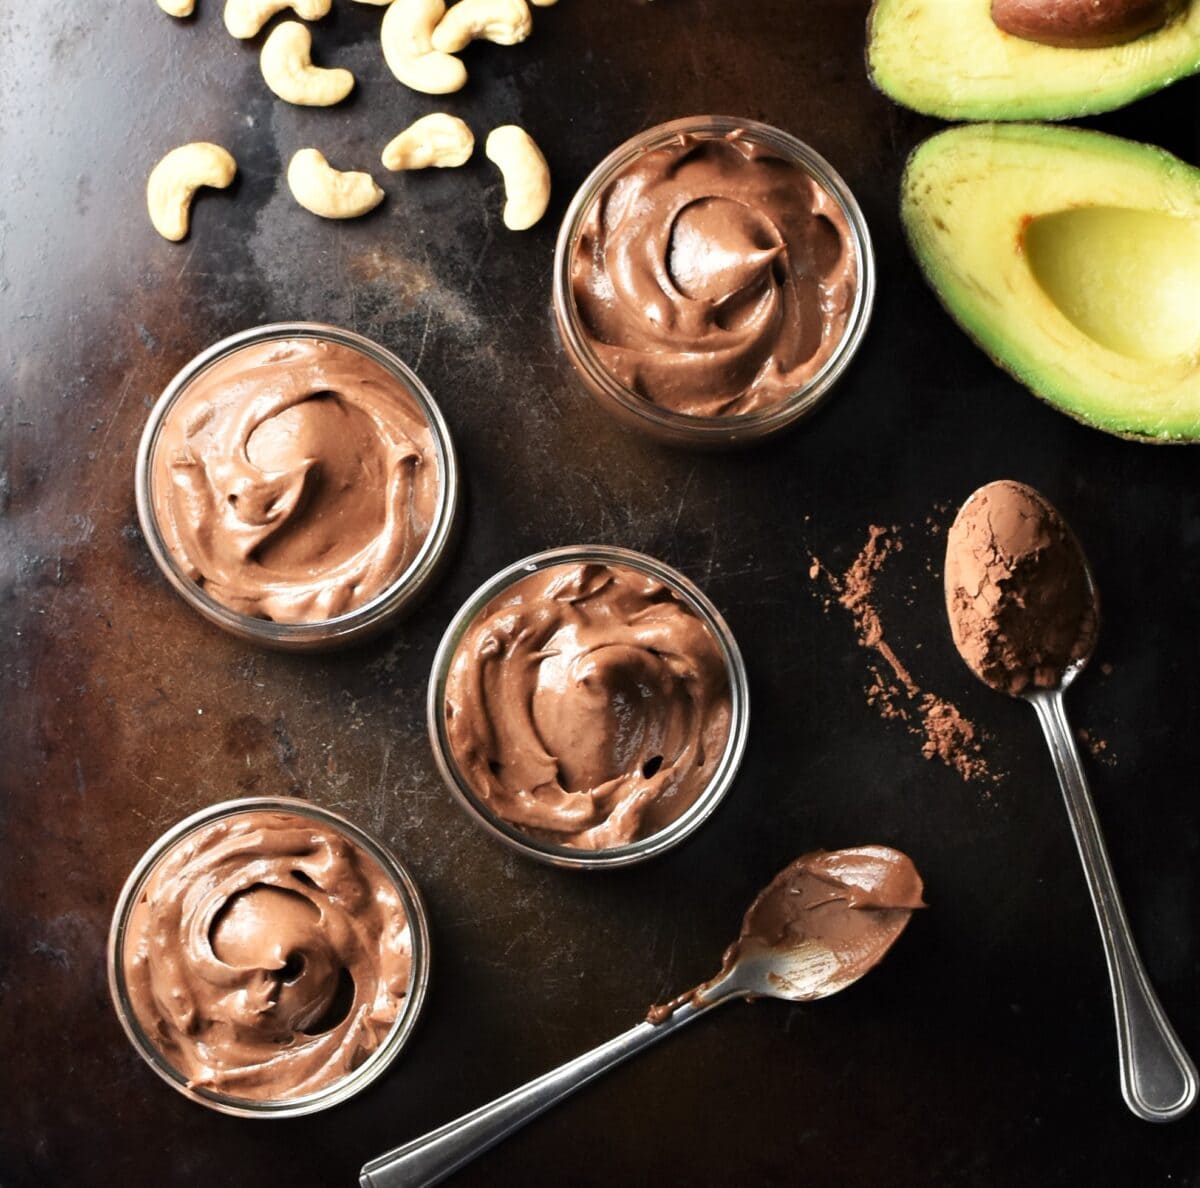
[
  {"x": 684, "y": 429},
  {"x": 674, "y": 831},
  {"x": 354, "y": 624},
  {"x": 376, "y": 1063}
]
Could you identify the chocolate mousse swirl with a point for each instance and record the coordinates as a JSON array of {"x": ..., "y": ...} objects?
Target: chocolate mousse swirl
[
  {"x": 267, "y": 956},
  {"x": 712, "y": 277},
  {"x": 295, "y": 480},
  {"x": 588, "y": 705}
]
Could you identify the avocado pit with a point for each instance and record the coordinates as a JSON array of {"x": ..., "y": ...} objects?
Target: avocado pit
[{"x": 1082, "y": 24}]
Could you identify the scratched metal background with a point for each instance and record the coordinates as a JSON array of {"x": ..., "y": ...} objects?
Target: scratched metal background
[{"x": 982, "y": 1053}]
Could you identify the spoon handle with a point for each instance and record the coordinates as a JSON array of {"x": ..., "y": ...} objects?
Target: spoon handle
[
  {"x": 432, "y": 1157},
  {"x": 1158, "y": 1080}
]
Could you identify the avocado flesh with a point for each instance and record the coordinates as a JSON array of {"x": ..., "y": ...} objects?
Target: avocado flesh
[
  {"x": 947, "y": 58},
  {"x": 1073, "y": 259},
  {"x": 1098, "y": 264}
]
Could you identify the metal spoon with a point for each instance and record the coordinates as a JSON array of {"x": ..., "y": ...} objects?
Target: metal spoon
[
  {"x": 800, "y": 968},
  {"x": 1158, "y": 1078}
]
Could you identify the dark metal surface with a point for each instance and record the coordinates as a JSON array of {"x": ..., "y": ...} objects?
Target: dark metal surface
[{"x": 982, "y": 1053}]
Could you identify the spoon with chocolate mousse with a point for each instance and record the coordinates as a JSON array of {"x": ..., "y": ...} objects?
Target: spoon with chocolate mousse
[
  {"x": 818, "y": 926},
  {"x": 1024, "y": 614}
]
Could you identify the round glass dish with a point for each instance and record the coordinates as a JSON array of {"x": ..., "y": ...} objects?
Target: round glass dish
[
  {"x": 363, "y": 620},
  {"x": 375, "y": 1064},
  {"x": 684, "y": 429},
  {"x": 724, "y": 772}
]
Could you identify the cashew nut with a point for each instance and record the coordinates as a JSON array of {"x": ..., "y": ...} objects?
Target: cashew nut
[
  {"x": 177, "y": 8},
  {"x": 526, "y": 175},
  {"x": 177, "y": 177},
  {"x": 407, "y": 37},
  {"x": 328, "y": 192},
  {"x": 244, "y": 18},
  {"x": 439, "y": 139},
  {"x": 506, "y": 22},
  {"x": 287, "y": 67}
]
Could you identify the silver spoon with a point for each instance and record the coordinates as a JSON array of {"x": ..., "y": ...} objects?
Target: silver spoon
[
  {"x": 1158, "y": 1079},
  {"x": 873, "y": 888}
]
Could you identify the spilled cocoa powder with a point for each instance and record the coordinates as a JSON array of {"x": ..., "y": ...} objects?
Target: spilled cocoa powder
[
  {"x": 1098, "y": 747},
  {"x": 945, "y": 734}
]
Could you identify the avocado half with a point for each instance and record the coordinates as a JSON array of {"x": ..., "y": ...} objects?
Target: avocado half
[
  {"x": 1073, "y": 259},
  {"x": 947, "y": 58}
]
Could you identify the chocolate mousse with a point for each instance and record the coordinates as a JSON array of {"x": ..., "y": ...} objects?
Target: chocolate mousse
[
  {"x": 267, "y": 956},
  {"x": 844, "y": 907},
  {"x": 1020, "y": 602},
  {"x": 295, "y": 480},
  {"x": 713, "y": 277},
  {"x": 588, "y": 705}
]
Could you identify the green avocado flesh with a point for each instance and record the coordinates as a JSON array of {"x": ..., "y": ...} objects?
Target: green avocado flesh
[
  {"x": 947, "y": 58},
  {"x": 1073, "y": 259}
]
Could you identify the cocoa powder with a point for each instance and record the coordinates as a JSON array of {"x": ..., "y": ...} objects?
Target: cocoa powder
[
  {"x": 1020, "y": 603},
  {"x": 945, "y": 733}
]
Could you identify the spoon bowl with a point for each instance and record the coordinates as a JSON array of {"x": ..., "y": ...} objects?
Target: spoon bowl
[
  {"x": 1021, "y": 598},
  {"x": 804, "y": 973}
]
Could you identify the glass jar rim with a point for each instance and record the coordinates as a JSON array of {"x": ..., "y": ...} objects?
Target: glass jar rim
[
  {"x": 715, "y": 429},
  {"x": 361, "y": 620},
  {"x": 376, "y": 1063},
  {"x": 694, "y": 815}
]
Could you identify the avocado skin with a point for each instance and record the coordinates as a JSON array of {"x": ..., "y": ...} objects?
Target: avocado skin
[
  {"x": 975, "y": 324},
  {"x": 950, "y": 91}
]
